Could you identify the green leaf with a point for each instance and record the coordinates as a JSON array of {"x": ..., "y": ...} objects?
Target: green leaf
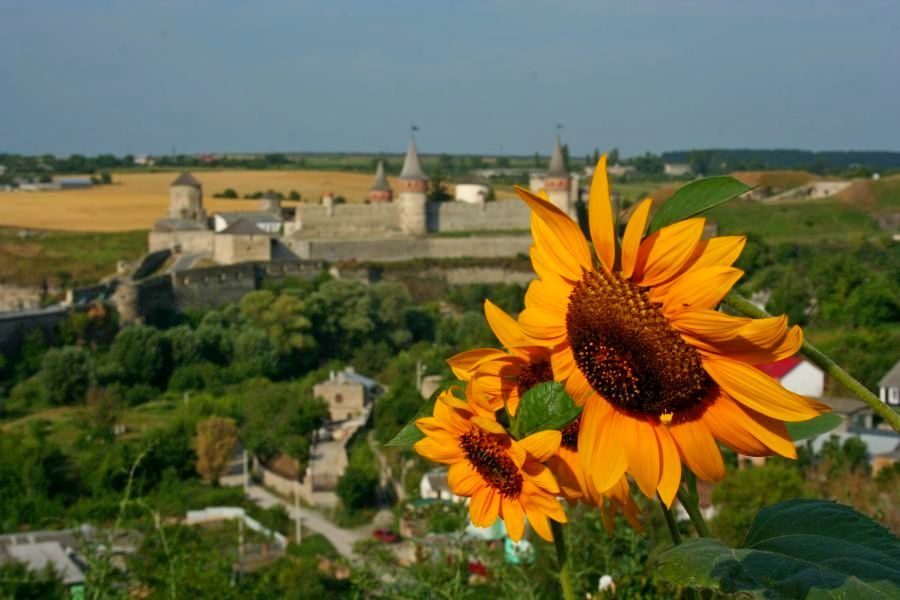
[
  {"x": 410, "y": 434},
  {"x": 545, "y": 406},
  {"x": 695, "y": 198},
  {"x": 794, "y": 549},
  {"x": 814, "y": 427}
]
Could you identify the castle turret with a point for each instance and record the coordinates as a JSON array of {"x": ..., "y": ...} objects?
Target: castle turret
[
  {"x": 380, "y": 191},
  {"x": 413, "y": 185},
  {"x": 557, "y": 182},
  {"x": 186, "y": 199},
  {"x": 270, "y": 202}
]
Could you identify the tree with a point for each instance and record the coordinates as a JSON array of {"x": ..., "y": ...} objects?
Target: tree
[
  {"x": 648, "y": 164},
  {"x": 612, "y": 159},
  {"x": 700, "y": 161},
  {"x": 215, "y": 443},
  {"x": 437, "y": 186},
  {"x": 282, "y": 317},
  {"x": 341, "y": 316},
  {"x": 294, "y": 195},
  {"x": 66, "y": 373},
  {"x": 142, "y": 354},
  {"x": 105, "y": 178},
  {"x": 255, "y": 353},
  {"x": 358, "y": 485},
  {"x": 740, "y": 496},
  {"x": 184, "y": 345}
]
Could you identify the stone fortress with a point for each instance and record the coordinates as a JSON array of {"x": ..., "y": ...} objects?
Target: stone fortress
[{"x": 383, "y": 228}]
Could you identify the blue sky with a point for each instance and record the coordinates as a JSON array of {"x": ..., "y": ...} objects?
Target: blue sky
[{"x": 128, "y": 76}]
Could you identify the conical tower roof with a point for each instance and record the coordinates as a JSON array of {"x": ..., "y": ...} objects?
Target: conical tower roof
[
  {"x": 380, "y": 184},
  {"x": 557, "y": 164},
  {"x": 186, "y": 179},
  {"x": 412, "y": 170}
]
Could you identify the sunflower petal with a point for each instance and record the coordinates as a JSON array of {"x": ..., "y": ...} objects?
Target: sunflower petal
[
  {"x": 538, "y": 522},
  {"x": 698, "y": 448},
  {"x": 663, "y": 253},
  {"x": 770, "y": 432},
  {"x": 703, "y": 288},
  {"x": 543, "y": 444},
  {"x": 504, "y": 326},
  {"x": 670, "y": 476},
  {"x": 463, "y": 479},
  {"x": 465, "y": 362},
  {"x": 602, "y": 223},
  {"x": 727, "y": 424},
  {"x": 578, "y": 387},
  {"x": 563, "y": 362},
  {"x": 489, "y": 425},
  {"x": 754, "y": 389},
  {"x": 717, "y": 251},
  {"x": 634, "y": 231},
  {"x": 540, "y": 475},
  {"x": 642, "y": 453},
  {"x": 484, "y": 507},
  {"x": 557, "y": 237},
  {"x": 513, "y": 517},
  {"x": 600, "y": 443},
  {"x": 437, "y": 452},
  {"x": 708, "y": 325}
]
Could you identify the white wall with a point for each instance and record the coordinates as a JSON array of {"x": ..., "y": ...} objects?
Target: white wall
[{"x": 806, "y": 379}]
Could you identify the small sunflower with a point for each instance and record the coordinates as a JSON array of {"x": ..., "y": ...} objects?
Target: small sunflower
[
  {"x": 497, "y": 378},
  {"x": 502, "y": 476},
  {"x": 662, "y": 375},
  {"x": 500, "y": 378}
]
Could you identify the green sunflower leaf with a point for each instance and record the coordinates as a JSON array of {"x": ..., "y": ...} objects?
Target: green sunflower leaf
[
  {"x": 697, "y": 197},
  {"x": 814, "y": 427},
  {"x": 545, "y": 406},
  {"x": 794, "y": 549},
  {"x": 410, "y": 434}
]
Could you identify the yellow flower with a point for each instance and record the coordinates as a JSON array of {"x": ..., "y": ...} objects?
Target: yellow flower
[
  {"x": 575, "y": 487},
  {"x": 639, "y": 343},
  {"x": 502, "y": 477},
  {"x": 497, "y": 377}
]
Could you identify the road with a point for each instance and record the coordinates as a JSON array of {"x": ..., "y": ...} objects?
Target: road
[{"x": 342, "y": 539}]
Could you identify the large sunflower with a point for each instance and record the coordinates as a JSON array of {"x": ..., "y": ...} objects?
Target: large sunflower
[
  {"x": 496, "y": 378},
  {"x": 662, "y": 375},
  {"x": 502, "y": 476}
]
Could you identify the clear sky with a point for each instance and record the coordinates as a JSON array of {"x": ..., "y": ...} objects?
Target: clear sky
[{"x": 142, "y": 76}]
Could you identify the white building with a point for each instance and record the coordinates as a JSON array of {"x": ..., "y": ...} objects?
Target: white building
[
  {"x": 267, "y": 221},
  {"x": 889, "y": 386},
  {"x": 797, "y": 375},
  {"x": 618, "y": 170},
  {"x": 434, "y": 486},
  {"x": 677, "y": 169},
  {"x": 472, "y": 190}
]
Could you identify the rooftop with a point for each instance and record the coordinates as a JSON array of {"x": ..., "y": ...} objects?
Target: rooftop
[
  {"x": 892, "y": 377},
  {"x": 253, "y": 216},
  {"x": 37, "y": 556},
  {"x": 242, "y": 227},
  {"x": 412, "y": 170},
  {"x": 380, "y": 184},
  {"x": 557, "y": 166},
  {"x": 186, "y": 179}
]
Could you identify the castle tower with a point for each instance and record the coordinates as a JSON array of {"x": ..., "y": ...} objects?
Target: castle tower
[
  {"x": 380, "y": 191},
  {"x": 413, "y": 185},
  {"x": 270, "y": 202},
  {"x": 186, "y": 199},
  {"x": 557, "y": 182}
]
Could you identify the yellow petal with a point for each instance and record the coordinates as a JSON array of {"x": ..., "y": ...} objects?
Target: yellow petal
[
  {"x": 484, "y": 507},
  {"x": 762, "y": 341},
  {"x": 708, "y": 325},
  {"x": 563, "y": 362},
  {"x": 600, "y": 443},
  {"x": 489, "y": 425},
  {"x": 504, "y": 326},
  {"x": 754, "y": 389},
  {"x": 601, "y": 218},
  {"x": 539, "y": 523},
  {"x": 463, "y": 479},
  {"x": 663, "y": 253},
  {"x": 579, "y": 388},
  {"x": 703, "y": 288},
  {"x": 437, "y": 452},
  {"x": 770, "y": 432},
  {"x": 634, "y": 231},
  {"x": 642, "y": 453},
  {"x": 464, "y": 363},
  {"x": 558, "y": 236},
  {"x": 725, "y": 421},
  {"x": 542, "y": 445},
  {"x": 698, "y": 448},
  {"x": 718, "y": 251},
  {"x": 540, "y": 476},
  {"x": 514, "y": 517},
  {"x": 670, "y": 477}
]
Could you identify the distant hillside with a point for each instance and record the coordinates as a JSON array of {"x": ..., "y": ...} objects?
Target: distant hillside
[
  {"x": 774, "y": 179},
  {"x": 747, "y": 159}
]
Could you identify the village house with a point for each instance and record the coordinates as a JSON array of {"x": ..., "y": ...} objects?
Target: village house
[
  {"x": 347, "y": 393},
  {"x": 889, "y": 386},
  {"x": 797, "y": 375}
]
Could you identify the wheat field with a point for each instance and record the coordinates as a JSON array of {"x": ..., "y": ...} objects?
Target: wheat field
[{"x": 135, "y": 200}]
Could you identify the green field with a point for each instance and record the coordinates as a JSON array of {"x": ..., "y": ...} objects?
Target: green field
[
  {"x": 65, "y": 258},
  {"x": 808, "y": 222}
]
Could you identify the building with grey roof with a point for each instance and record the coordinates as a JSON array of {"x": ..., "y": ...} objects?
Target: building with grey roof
[
  {"x": 889, "y": 386},
  {"x": 380, "y": 191}
]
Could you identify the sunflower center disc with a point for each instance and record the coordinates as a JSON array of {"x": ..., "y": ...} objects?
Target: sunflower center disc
[
  {"x": 628, "y": 352},
  {"x": 534, "y": 374},
  {"x": 488, "y": 454},
  {"x": 570, "y": 434}
]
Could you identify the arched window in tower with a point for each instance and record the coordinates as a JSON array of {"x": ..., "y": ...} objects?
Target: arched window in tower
[{"x": 338, "y": 399}]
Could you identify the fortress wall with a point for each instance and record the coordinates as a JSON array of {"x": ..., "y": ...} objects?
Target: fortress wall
[
  {"x": 391, "y": 249},
  {"x": 215, "y": 286},
  {"x": 190, "y": 242},
  {"x": 348, "y": 219},
  {"x": 488, "y": 216},
  {"x": 15, "y": 326},
  {"x": 241, "y": 248}
]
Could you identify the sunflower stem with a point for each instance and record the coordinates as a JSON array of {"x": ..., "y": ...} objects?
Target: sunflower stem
[
  {"x": 670, "y": 521},
  {"x": 690, "y": 500},
  {"x": 747, "y": 308},
  {"x": 565, "y": 575}
]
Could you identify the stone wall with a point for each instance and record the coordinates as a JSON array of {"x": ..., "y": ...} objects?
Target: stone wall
[
  {"x": 14, "y": 326},
  {"x": 483, "y": 216},
  {"x": 189, "y": 242},
  {"x": 214, "y": 286},
  {"x": 406, "y": 248},
  {"x": 231, "y": 249},
  {"x": 347, "y": 219}
]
